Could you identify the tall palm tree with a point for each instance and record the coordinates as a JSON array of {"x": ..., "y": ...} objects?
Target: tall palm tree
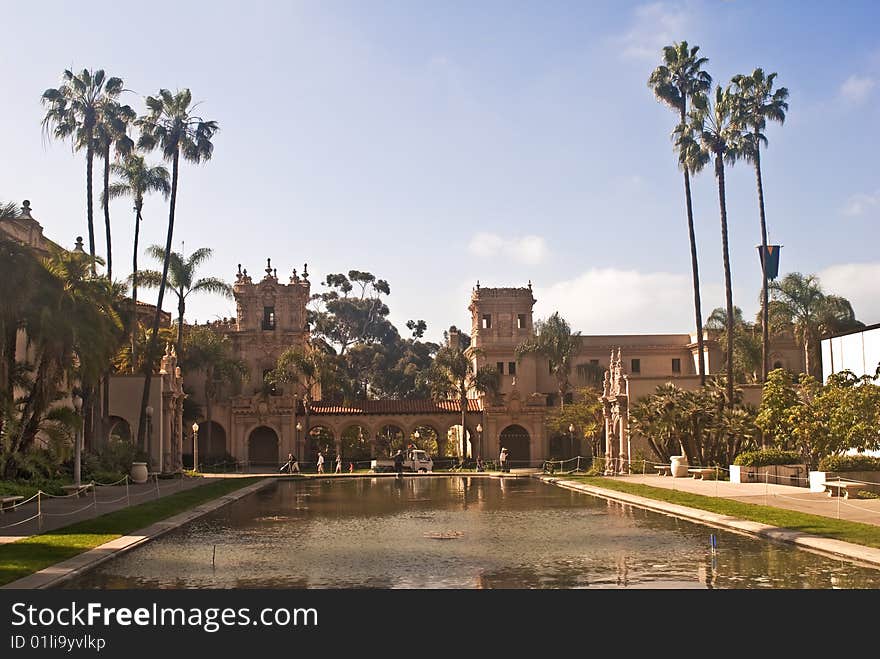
[
  {"x": 756, "y": 103},
  {"x": 678, "y": 79},
  {"x": 746, "y": 344},
  {"x": 554, "y": 340},
  {"x": 111, "y": 133},
  {"x": 137, "y": 179},
  {"x": 454, "y": 373},
  {"x": 713, "y": 135},
  {"x": 74, "y": 111},
  {"x": 172, "y": 125},
  {"x": 800, "y": 303},
  {"x": 181, "y": 279}
]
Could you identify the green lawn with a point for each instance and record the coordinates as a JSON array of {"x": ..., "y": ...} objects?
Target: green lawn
[
  {"x": 24, "y": 557},
  {"x": 855, "y": 532}
]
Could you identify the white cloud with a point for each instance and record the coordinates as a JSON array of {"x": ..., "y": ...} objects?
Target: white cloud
[
  {"x": 530, "y": 249},
  {"x": 611, "y": 301},
  {"x": 857, "y": 282},
  {"x": 654, "y": 25},
  {"x": 859, "y": 204},
  {"x": 856, "y": 88}
]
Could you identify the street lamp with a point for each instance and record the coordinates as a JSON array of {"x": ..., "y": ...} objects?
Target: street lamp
[
  {"x": 299, "y": 427},
  {"x": 416, "y": 437},
  {"x": 77, "y": 448},
  {"x": 195, "y": 427},
  {"x": 571, "y": 438},
  {"x": 480, "y": 440}
]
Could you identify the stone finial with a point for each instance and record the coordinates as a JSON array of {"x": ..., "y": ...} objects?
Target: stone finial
[
  {"x": 478, "y": 284},
  {"x": 294, "y": 278},
  {"x": 79, "y": 245},
  {"x": 306, "y": 271},
  {"x": 275, "y": 272},
  {"x": 268, "y": 267},
  {"x": 26, "y": 210}
]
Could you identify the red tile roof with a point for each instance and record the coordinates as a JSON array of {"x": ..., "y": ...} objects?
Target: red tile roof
[{"x": 419, "y": 406}]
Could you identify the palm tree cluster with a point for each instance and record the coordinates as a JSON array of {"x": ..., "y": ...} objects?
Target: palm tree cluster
[
  {"x": 721, "y": 127},
  {"x": 85, "y": 108}
]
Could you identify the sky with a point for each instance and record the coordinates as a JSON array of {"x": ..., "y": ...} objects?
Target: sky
[{"x": 436, "y": 144}]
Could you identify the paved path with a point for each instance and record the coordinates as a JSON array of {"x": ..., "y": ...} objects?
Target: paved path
[{"x": 62, "y": 511}]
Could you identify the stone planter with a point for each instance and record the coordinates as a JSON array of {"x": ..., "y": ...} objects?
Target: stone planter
[
  {"x": 791, "y": 474},
  {"x": 679, "y": 466},
  {"x": 139, "y": 472}
]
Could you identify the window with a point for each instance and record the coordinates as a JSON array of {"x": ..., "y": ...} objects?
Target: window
[
  {"x": 676, "y": 366},
  {"x": 511, "y": 368},
  {"x": 521, "y": 321},
  {"x": 487, "y": 321},
  {"x": 500, "y": 366},
  {"x": 635, "y": 366},
  {"x": 777, "y": 364},
  {"x": 594, "y": 362},
  {"x": 268, "y": 318}
]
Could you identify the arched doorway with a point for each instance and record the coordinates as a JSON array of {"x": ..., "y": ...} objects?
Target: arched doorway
[
  {"x": 120, "y": 430},
  {"x": 389, "y": 438},
  {"x": 212, "y": 443},
  {"x": 262, "y": 447},
  {"x": 356, "y": 445},
  {"x": 321, "y": 438},
  {"x": 518, "y": 444}
]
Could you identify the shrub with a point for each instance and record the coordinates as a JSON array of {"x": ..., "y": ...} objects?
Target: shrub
[
  {"x": 849, "y": 463},
  {"x": 767, "y": 456}
]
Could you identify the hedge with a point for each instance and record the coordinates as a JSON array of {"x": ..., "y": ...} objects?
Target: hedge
[
  {"x": 767, "y": 456},
  {"x": 849, "y": 463}
]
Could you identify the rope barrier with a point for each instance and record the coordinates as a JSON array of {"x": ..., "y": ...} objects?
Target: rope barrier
[
  {"x": 73, "y": 512},
  {"x": 21, "y": 503},
  {"x": 23, "y": 521},
  {"x": 124, "y": 478}
]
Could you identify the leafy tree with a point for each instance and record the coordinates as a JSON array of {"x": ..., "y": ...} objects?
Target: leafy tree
[
  {"x": 74, "y": 110},
  {"x": 712, "y": 134},
  {"x": 799, "y": 302},
  {"x": 584, "y": 413},
  {"x": 757, "y": 102},
  {"x": 554, "y": 340},
  {"x": 181, "y": 279},
  {"x": 211, "y": 353},
  {"x": 172, "y": 125},
  {"x": 136, "y": 180},
  {"x": 681, "y": 77}
]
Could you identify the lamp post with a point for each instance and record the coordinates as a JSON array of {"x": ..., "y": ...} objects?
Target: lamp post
[
  {"x": 299, "y": 427},
  {"x": 149, "y": 446},
  {"x": 480, "y": 440},
  {"x": 195, "y": 427},
  {"x": 571, "y": 438},
  {"x": 416, "y": 437},
  {"x": 77, "y": 449}
]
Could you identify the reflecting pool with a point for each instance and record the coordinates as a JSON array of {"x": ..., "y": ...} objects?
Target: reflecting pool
[{"x": 458, "y": 532}]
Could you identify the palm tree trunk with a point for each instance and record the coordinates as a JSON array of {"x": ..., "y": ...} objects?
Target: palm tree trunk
[
  {"x": 463, "y": 426},
  {"x": 181, "y": 308},
  {"x": 728, "y": 286},
  {"x": 106, "y": 205},
  {"x": 807, "y": 347},
  {"x": 134, "y": 286},
  {"x": 765, "y": 330},
  {"x": 698, "y": 311},
  {"x": 151, "y": 347},
  {"x": 90, "y": 155}
]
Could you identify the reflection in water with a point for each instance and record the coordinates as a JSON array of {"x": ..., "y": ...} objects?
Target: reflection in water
[{"x": 457, "y": 532}]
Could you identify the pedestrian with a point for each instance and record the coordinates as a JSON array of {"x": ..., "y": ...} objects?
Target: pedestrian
[
  {"x": 480, "y": 466},
  {"x": 289, "y": 465},
  {"x": 320, "y": 462},
  {"x": 502, "y": 459},
  {"x": 398, "y": 463},
  {"x": 294, "y": 464},
  {"x": 338, "y": 463},
  {"x": 351, "y": 467}
]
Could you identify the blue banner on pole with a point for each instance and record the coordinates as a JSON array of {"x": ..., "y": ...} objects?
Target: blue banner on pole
[{"x": 772, "y": 260}]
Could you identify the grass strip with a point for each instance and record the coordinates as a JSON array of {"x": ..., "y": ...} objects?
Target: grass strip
[
  {"x": 828, "y": 527},
  {"x": 23, "y": 557}
]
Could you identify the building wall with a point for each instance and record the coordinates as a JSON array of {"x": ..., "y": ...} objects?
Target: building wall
[{"x": 858, "y": 352}]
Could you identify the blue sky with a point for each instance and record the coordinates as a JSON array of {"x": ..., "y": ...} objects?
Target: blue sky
[{"x": 438, "y": 143}]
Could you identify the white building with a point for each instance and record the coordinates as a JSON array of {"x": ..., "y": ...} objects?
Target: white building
[{"x": 857, "y": 351}]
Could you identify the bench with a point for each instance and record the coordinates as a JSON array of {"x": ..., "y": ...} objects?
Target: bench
[
  {"x": 78, "y": 490},
  {"x": 8, "y": 503},
  {"x": 849, "y": 490},
  {"x": 663, "y": 470},
  {"x": 701, "y": 472}
]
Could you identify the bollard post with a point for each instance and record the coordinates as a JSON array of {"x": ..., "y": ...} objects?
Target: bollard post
[
  {"x": 127, "y": 493},
  {"x": 716, "y": 480},
  {"x": 39, "y": 509},
  {"x": 94, "y": 496},
  {"x": 158, "y": 494}
]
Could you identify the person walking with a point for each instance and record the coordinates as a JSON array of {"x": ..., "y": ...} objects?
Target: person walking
[
  {"x": 294, "y": 464},
  {"x": 502, "y": 460},
  {"x": 398, "y": 463},
  {"x": 289, "y": 464},
  {"x": 320, "y": 462},
  {"x": 338, "y": 463}
]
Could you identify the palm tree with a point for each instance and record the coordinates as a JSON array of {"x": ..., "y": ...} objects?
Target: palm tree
[
  {"x": 746, "y": 345},
  {"x": 454, "y": 373},
  {"x": 799, "y": 302},
  {"x": 554, "y": 340},
  {"x": 171, "y": 123},
  {"x": 74, "y": 111},
  {"x": 210, "y": 353},
  {"x": 111, "y": 132},
  {"x": 678, "y": 79},
  {"x": 756, "y": 103},
  {"x": 712, "y": 134},
  {"x": 180, "y": 278},
  {"x": 136, "y": 179}
]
